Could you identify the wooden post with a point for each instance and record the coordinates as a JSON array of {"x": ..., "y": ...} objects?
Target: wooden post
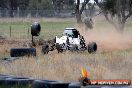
[
  {"x": 33, "y": 43},
  {"x": 28, "y": 33},
  {"x": 10, "y": 31}
]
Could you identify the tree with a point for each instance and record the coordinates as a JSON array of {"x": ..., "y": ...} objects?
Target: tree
[
  {"x": 22, "y": 4},
  {"x": 63, "y": 5},
  {"x": 13, "y": 5},
  {"x": 116, "y": 12},
  {"x": 88, "y": 9},
  {"x": 2, "y": 4},
  {"x": 79, "y": 9},
  {"x": 40, "y": 4}
]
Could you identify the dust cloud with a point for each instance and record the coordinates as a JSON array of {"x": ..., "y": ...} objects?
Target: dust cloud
[{"x": 108, "y": 40}]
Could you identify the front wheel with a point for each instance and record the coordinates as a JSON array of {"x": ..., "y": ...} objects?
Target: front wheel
[{"x": 92, "y": 47}]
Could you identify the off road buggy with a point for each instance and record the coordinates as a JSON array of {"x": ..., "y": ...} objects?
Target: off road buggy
[{"x": 71, "y": 40}]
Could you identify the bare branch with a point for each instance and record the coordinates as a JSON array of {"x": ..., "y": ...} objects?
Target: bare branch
[
  {"x": 110, "y": 20},
  {"x": 83, "y": 5},
  {"x": 129, "y": 12},
  {"x": 127, "y": 16},
  {"x": 77, "y": 7}
]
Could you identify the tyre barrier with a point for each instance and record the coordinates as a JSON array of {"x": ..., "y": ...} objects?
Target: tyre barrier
[
  {"x": 48, "y": 84},
  {"x": 21, "y": 82},
  {"x": 4, "y": 76},
  {"x": 35, "y": 29},
  {"x": 18, "y": 52},
  {"x": 74, "y": 85},
  {"x": 2, "y": 80},
  {"x": 18, "y": 82}
]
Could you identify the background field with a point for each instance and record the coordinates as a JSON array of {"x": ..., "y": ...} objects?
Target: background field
[
  {"x": 20, "y": 27},
  {"x": 111, "y": 61}
]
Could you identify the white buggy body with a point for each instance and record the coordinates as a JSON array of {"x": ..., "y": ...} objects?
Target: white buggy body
[
  {"x": 70, "y": 38},
  {"x": 63, "y": 39}
]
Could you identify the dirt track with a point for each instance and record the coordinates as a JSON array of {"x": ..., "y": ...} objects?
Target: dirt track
[{"x": 108, "y": 40}]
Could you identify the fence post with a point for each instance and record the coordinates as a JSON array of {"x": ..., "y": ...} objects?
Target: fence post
[
  {"x": 10, "y": 31},
  {"x": 28, "y": 32}
]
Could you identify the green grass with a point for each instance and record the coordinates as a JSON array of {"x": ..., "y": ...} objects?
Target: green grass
[
  {"x": 20, "y": 29},
  {"x": 50, "y": 28}
]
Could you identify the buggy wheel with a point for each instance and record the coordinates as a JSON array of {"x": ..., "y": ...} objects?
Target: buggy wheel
[
  {"x": 59, "y": 48},
  {"x": 92, "y": 47},
  {"x": 74, "y": 48},
  {"x": 45, "y": 49}
]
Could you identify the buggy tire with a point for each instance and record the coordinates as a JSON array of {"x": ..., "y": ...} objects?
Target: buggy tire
[
  {"x": 18, "y": 52},
  {"x": 92, "y": 47},
  {"x": 59, "y": 48},
  {"x": 45, "y": 49},
  {"x": 74, "y": 48}
]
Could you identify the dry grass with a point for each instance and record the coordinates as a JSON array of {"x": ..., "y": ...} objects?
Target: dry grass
[
  {"x": 66, "y": 66},
  {"x": 112, "y": 60}
]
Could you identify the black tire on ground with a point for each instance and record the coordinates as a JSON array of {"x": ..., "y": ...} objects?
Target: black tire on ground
[
  {"x": 92, "y": 47},
  {"x": 19, "y": 82},
  {"x": 48, "y": 84},
  {"x": 18, "y": 52},
  {"x": 74, "y": 85},
  {"x": 40, "y": 84},
  {"x": 2, "y": 81},
  {"x": 45, "y": 49}
]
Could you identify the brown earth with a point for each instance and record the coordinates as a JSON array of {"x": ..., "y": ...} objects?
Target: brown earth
[{"x": 108, "y": 40}]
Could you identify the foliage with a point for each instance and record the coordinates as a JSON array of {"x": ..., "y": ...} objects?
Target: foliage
[
  {"x": 36, "y": 4},
  {"x": 40, "y": 4},
  {"x": 116, "y": 12}
]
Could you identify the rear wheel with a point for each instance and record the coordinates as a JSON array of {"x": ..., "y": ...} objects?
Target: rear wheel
[
  {"x": 92, "y": 47},
  {"x": 59, "y": 48},
  {"x": 45, "y": 49}
]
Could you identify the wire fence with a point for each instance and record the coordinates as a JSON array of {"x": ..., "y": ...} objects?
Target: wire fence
[
  {"x": 17, "y": 23},
  {"x": 25, "y": 33},
  {"x": 36, "y": 13},
  {"x": 9, "y": 32},
  {"x": 20, "y": 28}
]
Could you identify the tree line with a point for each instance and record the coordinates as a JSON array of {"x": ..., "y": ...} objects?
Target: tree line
[
  {"x": 116, "y": 12},
  {"x": 56, "y": 5},
  {"x": 36, "y": 4}
]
